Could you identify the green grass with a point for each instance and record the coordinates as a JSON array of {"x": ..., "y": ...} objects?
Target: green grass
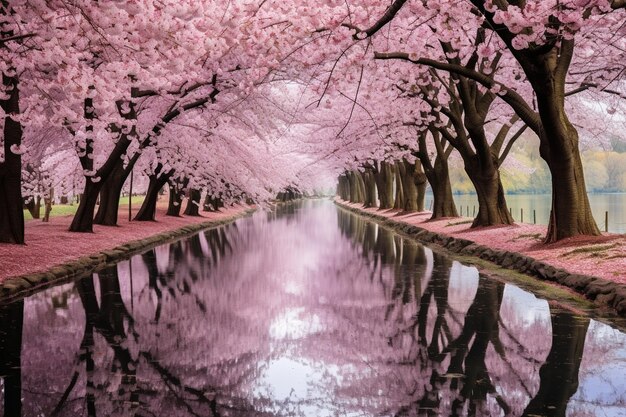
[
  {"x": 57, "y": 210},
  {"x": 70, "y": 209}
]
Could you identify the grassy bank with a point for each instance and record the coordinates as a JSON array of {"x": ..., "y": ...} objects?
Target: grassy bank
[{"x": 70, "y": 209}]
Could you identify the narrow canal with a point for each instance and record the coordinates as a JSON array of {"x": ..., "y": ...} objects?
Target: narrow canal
[{"x": 307, "y": 311}]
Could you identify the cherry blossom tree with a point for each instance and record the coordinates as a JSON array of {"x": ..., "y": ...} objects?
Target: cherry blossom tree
[
  {"x": 246, "y": 100},
  {"x": 540, "y": 36}
]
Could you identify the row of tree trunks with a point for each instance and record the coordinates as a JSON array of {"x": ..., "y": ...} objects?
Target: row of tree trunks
[
  {"x": 147, "y": 212},
  {"x": 212, "y": 203},
  {"x": 289, "y": 194},
  {"x": 374, "y": 187}
]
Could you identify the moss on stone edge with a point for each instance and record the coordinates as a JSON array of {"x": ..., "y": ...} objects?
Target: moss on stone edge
[
  {"x": 22, "y": 285},
  {"x": 601, "y": 291}
]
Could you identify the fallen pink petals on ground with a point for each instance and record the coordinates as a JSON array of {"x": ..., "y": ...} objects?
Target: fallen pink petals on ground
[
  {"x": 602, "y": 256},
  {"x": 49, "y": 244}
]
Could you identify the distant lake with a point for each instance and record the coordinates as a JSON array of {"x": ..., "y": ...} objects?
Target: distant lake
[{"x": 614, "y": 203}]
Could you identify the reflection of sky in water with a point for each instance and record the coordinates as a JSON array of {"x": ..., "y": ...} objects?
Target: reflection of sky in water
[
  {"x": 526, "y": 306},
  {"x": 299, "y": 386},
  {"x": 602, "y": 390},
  {"x": 294, "y": 323}
]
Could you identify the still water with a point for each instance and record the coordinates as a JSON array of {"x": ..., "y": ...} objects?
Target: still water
[
  {"x": 307, "y": 311},
  {"x": 536, "y": 208}
]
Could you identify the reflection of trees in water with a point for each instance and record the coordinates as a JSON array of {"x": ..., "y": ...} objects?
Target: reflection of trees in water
[
  {"x": 198, "y": 333},
  {"x": 111, "y": 320},
  {"x": 115, "y": 388},
  {"x": 450, "y": 353},
  {"x": 117, "y": 369},
  {"x": 188, "y": 261},
  {"x": 293, "y": 211},
  {"x": 559, "y": 373},
  {"x": 11, "y": 321}
]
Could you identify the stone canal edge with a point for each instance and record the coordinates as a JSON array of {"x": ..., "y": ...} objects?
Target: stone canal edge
[
  {"x": 24, "y": 285},
  {"x": 601, "y": 291}
]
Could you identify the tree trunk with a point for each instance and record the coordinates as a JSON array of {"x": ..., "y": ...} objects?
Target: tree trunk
[
  {"x": 400, "y": 197},
  {"x": 193, "y": 203},
  {"x": 370, "y": 188},
  {"x": 218, "y": 202},
  {"x": 175, "y": 201},
  {"x": 492, "y": 208},
  {"x": 208, "y": 204},
  {"x": 34, "y": 207},
  {"x": 11, "y": 211},
  {"x": 352, "y": 187},
  {"x": 384, "y": 185},
  {"x": 356, "y": 187},
  {"x": 439, "y": 179},
  {"x": 83, "y": 219},
  {"x": 343, "y": 187},
  {"x": 38, "y": 205},
  {"x": 420, "y": 183},
  {"x": 110, "y": 196},
  {"x": 360, "y": 186},
  {"x": 346, "y": 195},
  {"x": 147, "y": 211},
  {"x": 48, "y": 205},
  {"x": 571, "y": 212},
  {"x": 409, "y": 187},
  {"x": 212, "y": 203}
]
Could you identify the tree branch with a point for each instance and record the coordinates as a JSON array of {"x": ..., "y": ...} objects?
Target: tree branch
[
  {"x": 512, "y": 98},
  {"x": 16, "y": 38},
  {"x": 389, "y": 14}
]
